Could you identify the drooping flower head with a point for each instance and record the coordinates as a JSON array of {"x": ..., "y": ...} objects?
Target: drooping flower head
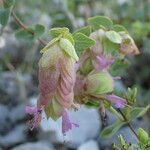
[{"x": 57, "y": 74}]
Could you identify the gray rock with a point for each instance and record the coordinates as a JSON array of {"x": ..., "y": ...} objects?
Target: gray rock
[
  {"x": 36, "y": 146},
  {"x": 15, "y": 136},
  {"x": 4, "y": 113},
  {"x": 18, "y": 113},
  {"x": 90, "y": 145},
  {"x": 89, "y": 127},
  {"x": 15, "y": 84}
]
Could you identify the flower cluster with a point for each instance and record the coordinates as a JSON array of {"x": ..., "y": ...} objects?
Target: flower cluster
[{"x": 66, "y": 81}]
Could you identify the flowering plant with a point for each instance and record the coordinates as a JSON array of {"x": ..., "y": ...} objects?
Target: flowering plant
[{"x": 75, "y": 70}]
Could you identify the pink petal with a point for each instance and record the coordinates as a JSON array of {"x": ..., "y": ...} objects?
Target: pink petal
[
  {"x": 31, "y": 110},
  {"x": 66, "y": 123},
  {"x": 36, "y": 112},
  {"x": 102, "y": 62},
  {"x": 116, "y": 100}
]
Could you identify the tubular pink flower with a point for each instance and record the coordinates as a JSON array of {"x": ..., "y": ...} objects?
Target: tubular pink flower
[
  {"x": 66, "y": 123},
  {"x": 116, "y": 100},
  {"x": 36, "y": 112},
  {"x": 101, "y": 62}
]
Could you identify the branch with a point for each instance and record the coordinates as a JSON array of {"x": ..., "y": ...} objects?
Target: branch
[
  {"x": 22, "y": 25},
  {"x": 128, "y": 123}
]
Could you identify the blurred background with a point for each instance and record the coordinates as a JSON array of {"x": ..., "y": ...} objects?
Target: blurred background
[{"x": 19, "y": 67}]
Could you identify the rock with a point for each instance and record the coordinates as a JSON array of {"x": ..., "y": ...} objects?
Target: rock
[
  {"x": 36, "y": 146},
  {"x": 17, "y": 113},
  {"x": 15, "y": 136},
  {"x": 15, "y": 85},
  {"x": 90, "y": 145},
  {"x": 4, "y": 113},
  {"x": 89, "y": 127}
]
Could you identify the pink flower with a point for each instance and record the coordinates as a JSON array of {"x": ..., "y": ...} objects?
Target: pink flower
[
  {"x": 102, "y": 62},
  {"x": 66, "y": 123},
  {"x": 116, "y": 100},
  {"x": 36, "y": 112}
]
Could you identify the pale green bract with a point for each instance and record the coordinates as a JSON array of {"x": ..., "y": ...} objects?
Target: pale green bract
[
  {"x": 67, "y": 46},
  {"x": 114, "y": 37},
  {"x": 100, "y": 83}
]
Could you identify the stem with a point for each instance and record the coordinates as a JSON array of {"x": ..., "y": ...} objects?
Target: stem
[
  {"x": 128, "y": 123},
  {"x": 82, "y": 59}
]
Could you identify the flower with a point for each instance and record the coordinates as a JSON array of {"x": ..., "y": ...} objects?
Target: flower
[
  {"x": 66, "y": 123},
  {"x": 128, "y": 46},
  {"x": 116, "y": 100},
  {"x": 102, "y": 62},
  {"x": 36, "y": 112},
  {"x": 56, "y": 80},
  {"x": 57, "y": 74}
]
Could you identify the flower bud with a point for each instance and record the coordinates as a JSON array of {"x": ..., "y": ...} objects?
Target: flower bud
[
  {"x": 143, "y": 136},
  {"x": 128, "y": 46},
  {"x": 57, "y": 75},
  {"x": 99, "y": 83}
]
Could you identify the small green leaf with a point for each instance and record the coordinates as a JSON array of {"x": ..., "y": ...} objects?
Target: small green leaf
[
  {"x": 53, "y": 41},
  {"x": 24, "y": 34},
  {"x": 110, "y": 47},
  {"x": 67, "y": 46},
  {"x": 113, "y": 37},
  {"x": 82, "y": 42},
  {"x": 119, "y": 28},
  {"x": 55, "y": 32},
  {"x": 8, "y": 3},
  {"x": 98, "y": 21},
  {"x": 85, "y": 30},
  {"x": 38, "y": 30},
  {"x": 53, "y": 110},
  {"x": 86, "y": 67},
  {"x": 69, "y": 37},
  {"x": 49, "y": 110},
  {"x": 138, "y": 112},
  {"x": 143, "y": 136},
  {"x": 112, "y": 129},
  {"x": 4, "y": 16}
]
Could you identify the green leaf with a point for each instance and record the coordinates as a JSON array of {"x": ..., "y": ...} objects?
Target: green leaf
[
  {"x": 113, "y": 37},
  {"x": 85, "y": 30},
  {"x": 110, "y": 47},
  {"x": 8, "y": 3},
  {"x": 67, "y": 46},
  {"x": 51, "y": 43},
  {"x": 55, "y": 32},
  {"x": 82, "y": 42},
  {"x": 112, "y": 129},
  {"x": 119, "y": 28},
  {"x": 138, "y": 112},
  {"x": 99, "y": 21},
  {"x": 24, "y": 34},
  {"x": 38, "y": 30},
  {"x": 4, "y": 16},
  {"x": 53, "y": 110},
  {"x": 69, "y": 37}
]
